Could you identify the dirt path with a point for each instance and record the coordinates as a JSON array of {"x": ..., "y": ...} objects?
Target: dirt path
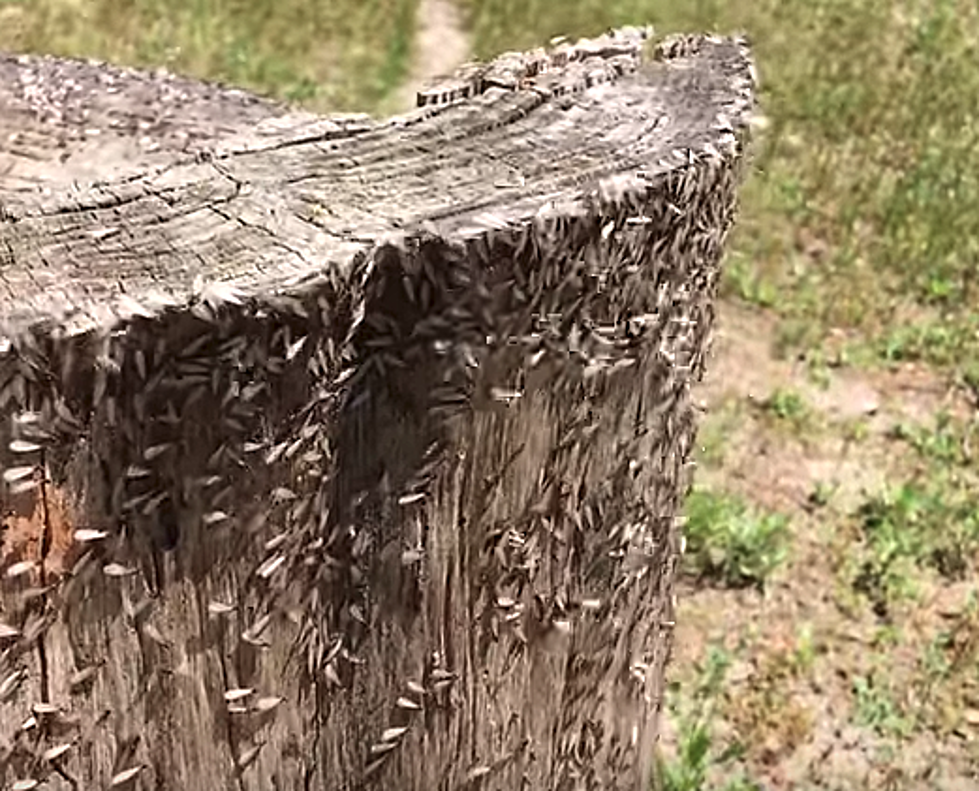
[{"x": 440, "y": 46}]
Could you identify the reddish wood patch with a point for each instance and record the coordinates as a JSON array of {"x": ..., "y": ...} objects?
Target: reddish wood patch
[{"x": 24, "y": 519}]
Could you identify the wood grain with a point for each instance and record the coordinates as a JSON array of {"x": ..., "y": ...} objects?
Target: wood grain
[{"x": 347, "y": 453}]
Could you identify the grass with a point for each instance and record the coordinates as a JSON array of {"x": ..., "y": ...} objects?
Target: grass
[
  {"x": 730, "y": 542},
  {"x": 946, "y": 679},
  {"x": 714, "y": 433},
  {"x": 787, "y": 405},
  {"x": 899, "y": 669},
  {"x": 696, "y": 759},
  {"x": 788, "y": 411},
  {"x": 927, "y": 522},
  {"x": 876, "y": 708},
  {"x": 341, "y": 55}
]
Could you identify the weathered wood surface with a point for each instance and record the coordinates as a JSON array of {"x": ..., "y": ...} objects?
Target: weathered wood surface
[
  {"x": 374, "y": 431},
  {"x": 66, "y": 120}
]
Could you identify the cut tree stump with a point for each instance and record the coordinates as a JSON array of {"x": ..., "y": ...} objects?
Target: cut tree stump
[{"x": 341, "y": 453}]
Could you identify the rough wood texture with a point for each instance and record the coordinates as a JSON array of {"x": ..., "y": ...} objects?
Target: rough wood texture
[{"x": 347, "y": 453}]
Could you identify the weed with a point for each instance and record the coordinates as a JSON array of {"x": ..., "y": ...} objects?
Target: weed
[
  {"x": 855, "y": 430},
  {"x": 786, "y": 405},
  {"x": 821, "y": 494},
  {"x": 875, "y": 708},
  {"x": 730, "y": 542},
  {"x": 947, "y": 441},
  {"x": 819, "y": 365},
  {"x": 930, "y": 339},
  {"x": 695, "y": 711},
  {"x": 787, "y": 410},
  {"x": 929, "y": 521},
  {"x": 886, "y": 574},
  {"x": 715, "y": 432},
  {"x": 804, "y": 656},
  {"x": 742, "y": 281},
  {"x": 946, "y": 678}
]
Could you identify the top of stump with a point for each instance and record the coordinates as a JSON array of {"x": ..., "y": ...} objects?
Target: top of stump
[{"x": 213, "y": 195}]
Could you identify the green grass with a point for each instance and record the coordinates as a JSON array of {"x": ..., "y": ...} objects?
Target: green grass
[
  {"x": 730, "y": 542},
  {"x": 787, "y": 405},
  {"x": 946, "y": 676},
  {"x": 715, "y": 431},
  {"x": 864, "y": 208},
  {"x": 788, "y": 411},
  {"x": 928, "y": 522},
  {"x": 697, "y": 757},
  {"x": 333, "y": 55},
  {"x": 876, "y": 708}
]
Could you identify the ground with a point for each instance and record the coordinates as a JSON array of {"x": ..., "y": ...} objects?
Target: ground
[{"x": 820, "y": 691}]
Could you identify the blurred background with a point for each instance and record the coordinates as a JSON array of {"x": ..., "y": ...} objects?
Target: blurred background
[{"x": 828, "y": 631}]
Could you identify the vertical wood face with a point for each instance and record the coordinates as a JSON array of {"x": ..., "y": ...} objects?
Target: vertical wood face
[{"x": 410, "y": 526}]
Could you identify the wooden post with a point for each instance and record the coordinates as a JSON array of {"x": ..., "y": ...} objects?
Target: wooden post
[{"x": 341, "y": 453}]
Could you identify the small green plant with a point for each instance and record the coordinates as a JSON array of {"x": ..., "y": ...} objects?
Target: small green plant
[
  {"x": 875, "y": 708},
  {"x": 935, "y": 341},
  {"x": 891, "y": 524},
  {"x": 819, "y": 364},
  {"x": 945, "y": 441},
  {"x": 821, "y": 494},
  {"x": 742, "y": 281},
  {"x": 786, "y": 405},
  {"x": 786, "y": 409},
  {"x": 855, "y": 430},
  {"x": 804, "y": 655},
  {"x": 946, "y": 678},
  {"x": 929, "y": 522},
  {"x": 730, "y": 542},
  {"x": 696, "y": 756},
  {"x": 714, "y": 433}
]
